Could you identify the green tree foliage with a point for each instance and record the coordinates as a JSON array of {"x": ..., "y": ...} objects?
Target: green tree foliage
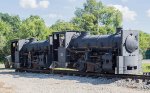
[
  {"x": 34, "y": 26},
  {"x": 14, "y": 21},
  {"x": 11, "y": 27},
  {"x": 61, "y": 25},
  {"x": 97, "y": 18},
  {"x": 5, "y": 31},
  {"x": 144, "y": 42}
]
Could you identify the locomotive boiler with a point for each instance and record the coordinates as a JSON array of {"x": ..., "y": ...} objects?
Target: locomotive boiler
[
  {"x": 30, "y": 53},
  {"x": 117, "y": 53}
]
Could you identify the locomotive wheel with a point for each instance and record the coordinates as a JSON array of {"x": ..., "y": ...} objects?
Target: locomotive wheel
[{"x": 81, "y": 66}]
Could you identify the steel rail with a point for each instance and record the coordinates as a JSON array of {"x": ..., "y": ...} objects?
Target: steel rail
[{"x": 71, "y": 72}]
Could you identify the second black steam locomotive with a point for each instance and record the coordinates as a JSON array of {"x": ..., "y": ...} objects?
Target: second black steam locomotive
[{"x": 117, "y": 53}]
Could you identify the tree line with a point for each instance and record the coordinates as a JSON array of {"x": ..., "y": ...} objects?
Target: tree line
[{"x": 94, "y": 17}]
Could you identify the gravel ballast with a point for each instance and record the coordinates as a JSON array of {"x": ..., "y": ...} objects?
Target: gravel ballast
[{"x": 15, "y": 82}]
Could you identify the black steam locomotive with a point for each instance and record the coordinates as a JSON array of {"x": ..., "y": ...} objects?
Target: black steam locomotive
[{"x": 117, "y": 53}]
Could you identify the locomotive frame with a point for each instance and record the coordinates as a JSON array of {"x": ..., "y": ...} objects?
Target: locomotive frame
[{"x": 117, "y": 53}]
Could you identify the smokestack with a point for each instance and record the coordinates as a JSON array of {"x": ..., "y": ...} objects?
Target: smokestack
[
  {"x": 118, "y": 30},
  {"x": 32, "y": 39},
  {"x": 84, "y": 34}
]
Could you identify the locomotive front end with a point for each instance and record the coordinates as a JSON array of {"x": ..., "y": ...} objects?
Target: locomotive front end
[
  {"x": 129, "y": 61},
  {"x": 117, "y": 53}
]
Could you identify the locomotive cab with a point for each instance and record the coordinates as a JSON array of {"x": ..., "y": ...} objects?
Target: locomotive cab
[
  {"x": 60, "y": 44},
  {"x": 16, "y": 46}
]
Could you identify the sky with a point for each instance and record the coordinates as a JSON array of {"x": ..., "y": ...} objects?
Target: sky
[{"x": 136, "y": 13}]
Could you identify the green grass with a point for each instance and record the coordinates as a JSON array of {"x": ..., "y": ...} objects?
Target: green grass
[
  {"x": 146, "y": 67},
  {"x": 64, "y": 69}
]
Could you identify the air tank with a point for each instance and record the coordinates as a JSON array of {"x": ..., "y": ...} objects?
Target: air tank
[
  {"x": 35, "y": 45},
  {"x": 96, "y": 41},
  {"x": 85, "y": 40}
]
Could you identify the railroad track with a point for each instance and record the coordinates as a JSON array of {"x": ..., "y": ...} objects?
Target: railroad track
[{"x": 77, "y": 73}]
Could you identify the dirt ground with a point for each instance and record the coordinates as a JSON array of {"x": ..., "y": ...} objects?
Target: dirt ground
[
  {"x": 5, "y": 89},
  {"x": 14, "y": 82}
]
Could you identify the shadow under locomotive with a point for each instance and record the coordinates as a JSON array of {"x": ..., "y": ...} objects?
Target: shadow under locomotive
[{"x": 77, "y": 79}]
